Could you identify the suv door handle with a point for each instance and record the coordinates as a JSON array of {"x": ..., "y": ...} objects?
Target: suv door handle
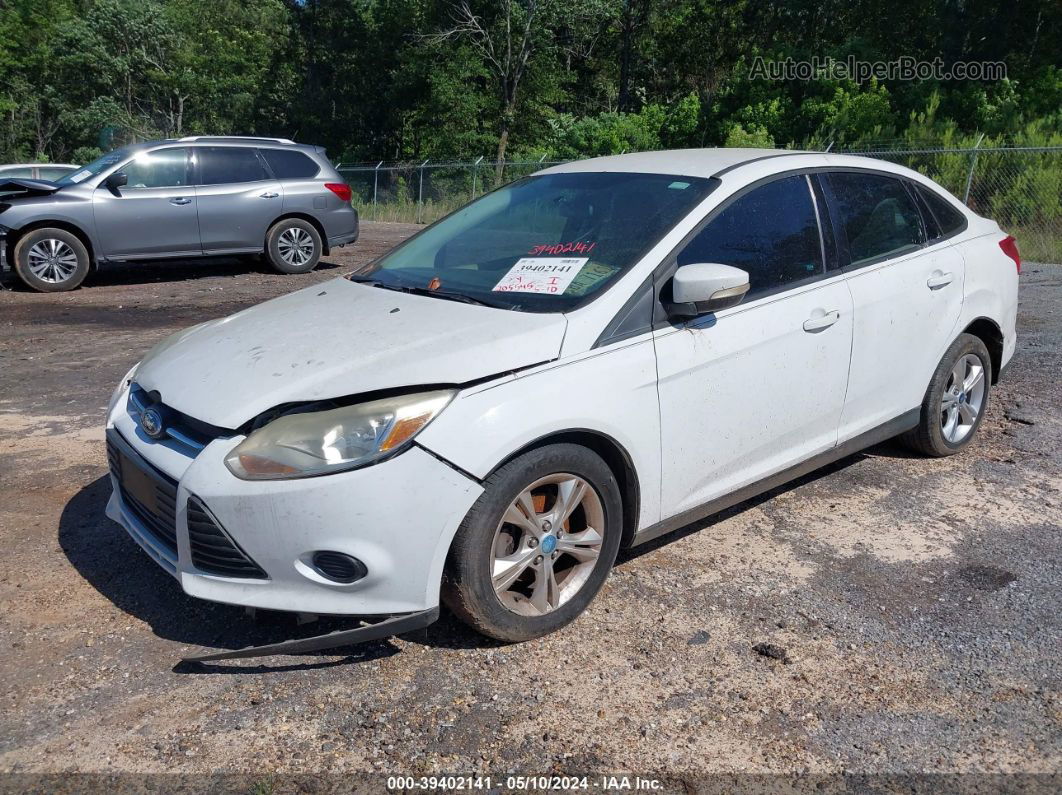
[
  {"x": 268, "y": 195},
  {"x": 938, "y": 280},
  {"x": 180, "y": 200},
  {"x": 820, "y": 322}
]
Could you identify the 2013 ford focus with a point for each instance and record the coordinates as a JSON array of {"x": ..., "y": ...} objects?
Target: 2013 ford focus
[{"x": 579, "y": 361}]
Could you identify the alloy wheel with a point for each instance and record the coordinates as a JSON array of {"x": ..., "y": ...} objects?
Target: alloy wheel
[
  {"x": 547, "y": 544},
  {"x": 963, "y": 398},
  {"x": 295, "y": 246},
  {"x": 52, "y": 260}
]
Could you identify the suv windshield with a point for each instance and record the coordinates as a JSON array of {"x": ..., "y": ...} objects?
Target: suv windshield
[
  {"x": 97, "y": 166},
  {"x": 543, "y": 244}
]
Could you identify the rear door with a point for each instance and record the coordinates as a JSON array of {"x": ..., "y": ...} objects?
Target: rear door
[
  {"x": 154, "y": 214},
  {"x": 906, "y": 294},
  {"x": 238, "y": 199}
]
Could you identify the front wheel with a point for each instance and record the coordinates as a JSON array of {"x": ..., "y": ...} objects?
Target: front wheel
[
  {"x": 293, "y": 246},
  {"x": 51, "y": 260},
  {"x": 956, "y": 400},
  {"x": 537, "y": 546}
]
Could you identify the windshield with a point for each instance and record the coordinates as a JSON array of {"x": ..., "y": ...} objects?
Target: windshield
[
  {"x": 97, "y": 166},
  {"x": 543, "y": 244}
]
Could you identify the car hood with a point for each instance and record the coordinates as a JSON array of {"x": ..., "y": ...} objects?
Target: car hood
[
  {"x": 27, "y": 187},
  {"x": 339, "y": 339}
]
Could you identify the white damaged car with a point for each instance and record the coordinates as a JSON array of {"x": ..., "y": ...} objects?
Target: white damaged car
[{"x": 579, "y": 361}]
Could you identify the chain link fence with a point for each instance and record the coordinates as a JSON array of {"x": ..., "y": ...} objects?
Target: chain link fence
[{"x": 1020, "y": 187}]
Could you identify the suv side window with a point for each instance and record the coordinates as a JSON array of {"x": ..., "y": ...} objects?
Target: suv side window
[
  {"x": 222, "y": 165},
  {"x": 947, "y": 217},
  {"x": 163, "y": 168},
  {"x": 771, "y": 232},
  {"x": 877, "y": 215},
  {"x": 287, "y": 164}
]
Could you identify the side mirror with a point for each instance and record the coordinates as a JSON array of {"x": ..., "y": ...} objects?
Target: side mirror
[
  {"x": 706, "y": 287},
  {"x": 116, "y": 180}
]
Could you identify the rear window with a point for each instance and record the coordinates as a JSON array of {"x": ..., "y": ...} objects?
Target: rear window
[
  {"x": 949, "y": 220},
  {"x": 290, "y": 165},
  {"x": 221, "y": 165},
  {"x": 877, "y": 214}
]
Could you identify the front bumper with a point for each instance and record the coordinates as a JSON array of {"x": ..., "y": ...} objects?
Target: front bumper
[{"x": 398, "y": 517}]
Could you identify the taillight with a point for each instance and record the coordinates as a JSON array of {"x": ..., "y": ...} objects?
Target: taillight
[
  {"x": 340, "y": 189},
  {"x": 1010, "y": 248}
]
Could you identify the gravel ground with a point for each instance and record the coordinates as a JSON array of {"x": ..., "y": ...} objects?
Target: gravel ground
[{"x": 906, "y": 611}]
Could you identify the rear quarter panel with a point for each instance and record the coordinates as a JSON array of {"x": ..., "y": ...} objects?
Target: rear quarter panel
[{"x": 991, "y": 281}]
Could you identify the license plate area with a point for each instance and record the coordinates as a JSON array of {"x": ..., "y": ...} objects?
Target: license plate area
[{"x": 139, "y": 485}]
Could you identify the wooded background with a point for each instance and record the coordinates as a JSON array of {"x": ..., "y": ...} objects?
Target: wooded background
[{"x": 439, "y": 79}]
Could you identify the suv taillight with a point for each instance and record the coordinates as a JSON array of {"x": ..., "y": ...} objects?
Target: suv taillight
[
  {"x": 1010, "y": 248},
  {"x": 340, "y": 189}
]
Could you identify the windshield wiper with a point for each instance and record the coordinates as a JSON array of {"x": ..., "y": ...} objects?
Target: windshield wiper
[{"x": 444, "y": 294}]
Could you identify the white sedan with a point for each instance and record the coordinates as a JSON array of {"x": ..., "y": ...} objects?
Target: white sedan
[{"x": 579, "y": 361}]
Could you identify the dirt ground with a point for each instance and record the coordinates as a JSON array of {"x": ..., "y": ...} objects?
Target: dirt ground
[{"x": 918, "y": 601}]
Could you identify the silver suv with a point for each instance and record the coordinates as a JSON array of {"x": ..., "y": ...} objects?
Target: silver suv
[{"x": 190, "y": 197}]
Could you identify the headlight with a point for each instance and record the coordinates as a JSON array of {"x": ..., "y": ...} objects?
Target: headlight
[
  {"x": 322, "y": 442},
  {"x": 121, "y": 387}
]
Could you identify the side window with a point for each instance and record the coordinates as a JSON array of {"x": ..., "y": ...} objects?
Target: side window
[
  {"x": 17, "y": 172},
  {"x": 877, "y": 214},
  {"x": 163, "y": 168},
  {"x": 771, "y": 232},
  {"x": 947, "y": 217},
  {"x": 287, "y": 164},
  {"x": 221, "y": 165}
]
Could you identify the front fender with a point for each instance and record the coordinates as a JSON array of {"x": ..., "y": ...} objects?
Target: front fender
[{"x": 609, "y": 391}]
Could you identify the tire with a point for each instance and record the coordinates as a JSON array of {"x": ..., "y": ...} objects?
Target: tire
[
  {"x": 513, "y": 612},
  {"x": 50, "y": 260},
  {"x": 293, "y": 246},
  {"x": 952, "y": 414}
]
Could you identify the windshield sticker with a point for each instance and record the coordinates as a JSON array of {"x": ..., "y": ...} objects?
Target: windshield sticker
[
  {"x": 590, "y": 277},
  {"x": 559, "y": 249},
  {"x": 543, "y": 275},
  {"x": 679, "y": 185},
  {"x": 84, "y": 174}
]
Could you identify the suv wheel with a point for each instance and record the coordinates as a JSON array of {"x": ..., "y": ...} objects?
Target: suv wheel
[
  {"x": 537, "y": 546},
  {"x": 51, "y": 260},
  {"x": 293, "y": 246},
  {"x": 956, "y": 401}
]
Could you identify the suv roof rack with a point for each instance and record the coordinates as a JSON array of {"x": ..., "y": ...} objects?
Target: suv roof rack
[{"x": 224, "y": 138}]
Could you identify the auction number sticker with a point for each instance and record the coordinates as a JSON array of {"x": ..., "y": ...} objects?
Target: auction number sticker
[{"x": 542, "y": 275}]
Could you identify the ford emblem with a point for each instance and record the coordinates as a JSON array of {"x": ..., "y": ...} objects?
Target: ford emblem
[{"x": 151, "y": 422}]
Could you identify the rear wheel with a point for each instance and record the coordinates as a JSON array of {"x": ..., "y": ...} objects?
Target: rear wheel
[
  {"x": 293, "y": 246},
  {"x": 956, "y": 400},
  {"x": 537, "y": 546},
  {"x": 51, "y": 260}
]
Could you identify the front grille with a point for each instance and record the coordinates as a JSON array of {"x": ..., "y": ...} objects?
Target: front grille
[
  {"x": 160, "y": 519},
  {"x": 213, "y": 551},
  {"x": 185, "y": 430}
]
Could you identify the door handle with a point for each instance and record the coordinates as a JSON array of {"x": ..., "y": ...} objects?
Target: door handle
[
  {"x": 938, "y": 280},
  {"x": 180, "y": 200},
  {"x": 268, "y": 195},
  {"x": 823, "y": 321}
]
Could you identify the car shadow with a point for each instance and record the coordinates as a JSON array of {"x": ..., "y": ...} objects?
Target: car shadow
[{"x": 103, "y": 553}]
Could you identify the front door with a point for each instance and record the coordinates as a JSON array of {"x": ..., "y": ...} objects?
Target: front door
[
  {"x": 154, "y": 214},
  {"x": 238, "y": 199},
  {"x": 752, "y": 390}
]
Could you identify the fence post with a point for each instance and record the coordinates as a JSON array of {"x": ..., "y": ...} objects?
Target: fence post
[
  {"x": 375, "y": 185},
  {"x": 475, "y": 173},
  {"x": 969, "y": 177},
  {"x": 420, "y": 192}
]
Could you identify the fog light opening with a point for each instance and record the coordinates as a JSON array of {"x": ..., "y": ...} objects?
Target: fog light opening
[{"x": 338, "y": 566}]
